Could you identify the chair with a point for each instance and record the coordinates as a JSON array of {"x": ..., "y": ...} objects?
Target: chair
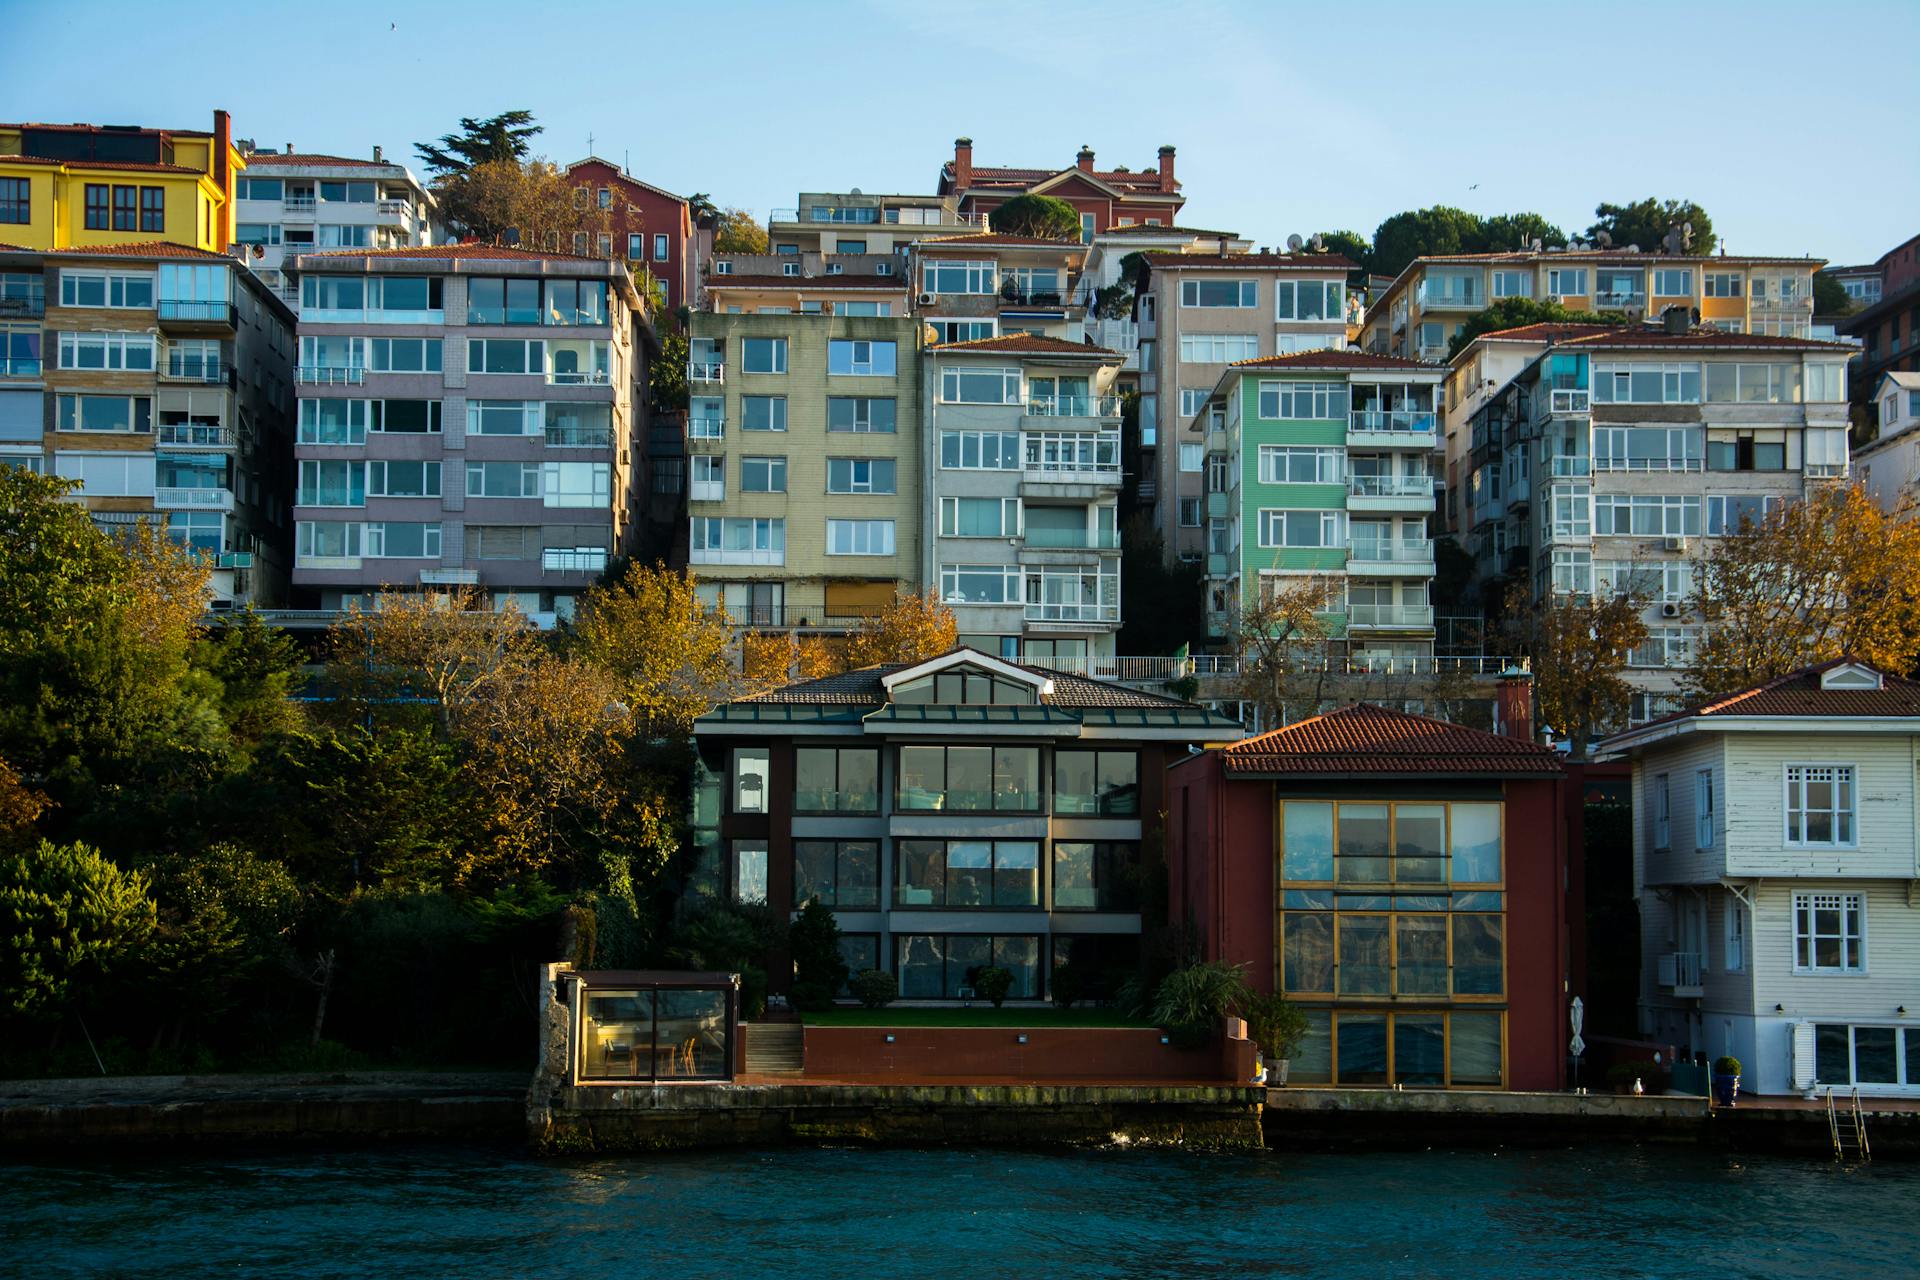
[{"x": 686, "y": 1054}]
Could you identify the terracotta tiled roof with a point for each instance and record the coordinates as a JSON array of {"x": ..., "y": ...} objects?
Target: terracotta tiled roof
[
  {"x": 1621, "y": 256},
  {"x": 1141, "y": 229},
  {"x": 1369, "y": 741},
  {"x": 302, "y": 159},
  {"x": 862, "y": 687},
  {"x": 1799, "y": 694},
  {"x": 897, "y": 284},
  {"x": 992, "y": 238},
  {"x": 1147, "y": 180},
  {"x": 1028, "y": 344},
  {"x": 452, "y": 252},
  {"x": 1334, "y": 360},
  {"x": 1254, "y": 261},
  {"x": 144, "y": 249},
  {"x": 134, "y": 166},
  {"x": 1548, "y": 332},
  {"x": 1705, "y": 339}
]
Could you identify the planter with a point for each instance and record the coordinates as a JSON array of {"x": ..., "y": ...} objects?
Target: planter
[
  {"x": 1276, "y": 1072},
  {"x": 1726, "y": 1090}
]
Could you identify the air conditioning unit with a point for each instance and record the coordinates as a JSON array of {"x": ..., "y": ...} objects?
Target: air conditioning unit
[
  {"x": 927, "y": 299},
  {"x": 1676, "y": 544},
  {"x": 1556, "y": 298},
  {"x": 1670, "y": 610}
]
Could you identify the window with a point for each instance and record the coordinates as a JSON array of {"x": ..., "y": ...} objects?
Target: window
[
  {"x": 965, "y": 384},
  {"x": 1667, "y": 648},
  {"x": 1512, "y": 284},
  {"x": 1827, "y": 383},
  {"x": 1309, "y": 300},
  {"x": 575, "y": 302},
  {"x": 333, "y": 422},
  {"x": 1662, "y": 813},
  {"x": 1218, "y": 348},
  {"x": 347, "y": 192},
  {"x": 944, "y": 276},
  {"x": 636, "y": 246},
  {"x": 98, "y": 217},
  {"x": 103, "y": 413},
  {"x": 1301, "y": 529},
  {"x": 1646, "y": 448},
  {"x": 964, "y": 686},
  {"x": 1820, "y": 805},
  {"x": 1731, "y": 513},
  {"x": 1307, "y": 400},
  {"x": 757, "y": 475},
  {"x": 1673, "y": 282},
  {"x": 750, "y": 869},
  {"x": 577, "y": 484},
  {"x": 860, "y": 413},
  {"x": 126, "y": 208},
  {"x": 860, "y": 475},
  {"x": 980, "y": 450},
  {"x": 1721, "y": 284},
  {"x": 859, "y": 537},
  {"x": 660, "y": 248},
  {"x": 860, "y": 358},
  {"x": 106, "y": 289},
  {"x": 503, "y": 479},
  {"x": 1754, "y": 383},
  {"x": 1193, "y": 457},
  {"x": 256, "y": 233},
  {"x": 763, "y": 355},
  {"x": 131, "y": 351},
  {"x": 326, "y": 539},
  {"x": 1189, "y": 513},
  {"x": 407, "y": 416},
  {"x": 16, "y": 205},
  {"x": 1192, "y": 400},
  {"x": 1646, "y": 515},
  {"x": 1096, "y": 782},
  {"x": 967, "y": 873},
  {"x": 933, "y": 966},
  {"x": 1735, "y": 953},
  {"x": 503, "y": 417},
  {"x": 394, "y": 540},
  {"x": 1829, "y": 933},
  {"x": 506, "y": 355},
  {"x": 836, "y": 780},
  {"x": 709, "y": 478},
  {"x": 961, "y": 330},
  {"x": 344, "y": 236},
  {"x": 1617, "y": 383},
  {"x": 1217, "y": 473},
  {"x": 1567, "y": 281},
  {"x": 1703, "y": 809},
  {"x": 331, "y": 484},
  {"x": 738, "y": 540},
  {"x": 404, "y": 355},
  {"x": 837, "y": 873},
  {"x": 751, "y": 772},
  {"x": 1289, "y": 464},
  {"x": 763, "y": 413},
  {"x": 1218, "y": 293},
  {"x": 1096, "y": 876},
  {"x": 393, "y": 479},
  {"x": 969, "y": 779},
  {"x": 498, "y": 301},
  {"x": 1087, "y": 228},
  {"x": 980, "y": 583}
]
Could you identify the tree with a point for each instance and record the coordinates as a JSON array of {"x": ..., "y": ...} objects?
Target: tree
[
  {"x": 1505, "y": 231},
  {"x": 1044, "y": 217},
  {"x": 819, "y": 970},
  {"x": 1647, "y": 222},
  {"x": 1351, "y": 245},
  {"x": 66, "y": 914},
  {"x": 1579, "y": 646},
  {"x": 912, "y": 627},
  {"x": 700, "y": 205},
  {"x": 1511, "y": 313},
  {"x": 415, "y": 650},
  {"x": 532, "y": 197},
  {"x": 1830, "y": 576},
  {"x": 1406, "y": 236},
  {"x": 495, "y": 138},
  {"x": 1281, "y": 636},
  {"x": 670, "y": 653},
  {"x": 667, "y": 372},
  {"x": 257, "y": 667},
  {"x": 735, "y": 231},
  {"x": 1830, "y": 296}
]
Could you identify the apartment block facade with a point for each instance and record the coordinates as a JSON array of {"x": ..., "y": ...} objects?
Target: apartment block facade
[
  {"x": 1602, "y": 465},
  {"x": 1318, "y": 468},
  {"x": 1149, "y": 196},
  {"x": 469, "y": 416},
  {"x": 1887, "y": 322},
  {"x": 954, "y": 814},
  {"x": 1425, "y": 305},
  {"x": 160, "y": 377},
  {"x": 291, "y": 202},
  {"x": 850, "y": 224},
  {"x": 652, "y": 229}
]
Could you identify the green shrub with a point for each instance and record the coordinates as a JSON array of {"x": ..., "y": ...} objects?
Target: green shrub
[
  {"x": 1190, "y": 1002},
  {"x": 819, "y": 970},
  {"x": 874, "y": 988},
  {"x": 1068, "y": 985},
  {"x": 1727, "y": 1066},
  {"x": 993, "y": 982},
  {"x": 1274, "y": 1023}
]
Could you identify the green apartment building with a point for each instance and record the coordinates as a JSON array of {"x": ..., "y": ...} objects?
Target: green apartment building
[{"x": 1319, "y": 465}]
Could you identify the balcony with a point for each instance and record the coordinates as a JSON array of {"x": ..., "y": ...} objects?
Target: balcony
[
  {"x": 1570, "y": 401},
  {"x": 707, "y": 491},
  {"x": 1417, "y": 425},
  {"x": 299, "y": 207},
  {"x": 396, "y": 208},
  {"x": 1621, "y": 300},
  {"x": 22, "y": 308},
  {"x": 1078, "y": 458},
  {"x": 1058, "y": 294},
  {"x": 1679, "y": 972},
  {"x": 1116, "y": 335},
  {"x": 1390, "y": 556},
  {"x": 706, "y": 428},
  {"x": 737, "y": 555},
  {"x": 1073, "y": 406},
  {"x": 1073, "y": 613},
  {"x": 1390, "y": 616},
  {"x": 579, "y": 378},
  {"x": 706, "y": 371},
  {"x": 193, "y": 369},
  {"x": 450, "y": 577},
  {"x": 330, "y": 375},
  {"x": 1390, "y": 493},
  {"x": 580, "y": 437},
  {"x": 573, "y": 560},
  {"x": 177, "y": 499},
  {"x": 1453, "y": 300},
  {"x": 180, "y": 315},
  {"x": 194, "y": 435},
  {"x": 1073, "y": 539}
]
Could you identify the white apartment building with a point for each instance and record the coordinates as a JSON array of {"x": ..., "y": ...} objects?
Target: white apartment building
[
  {"x": 298, "y": 202},
  {"x": 1889, "y": 468},
  {"x": 1775, "y": 860}
]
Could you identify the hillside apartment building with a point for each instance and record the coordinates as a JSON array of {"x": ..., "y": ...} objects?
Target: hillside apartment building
[{"x": 291, "y": 202}]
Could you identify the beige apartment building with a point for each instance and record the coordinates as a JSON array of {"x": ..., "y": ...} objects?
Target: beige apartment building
[{"x": 852, "y": 223}]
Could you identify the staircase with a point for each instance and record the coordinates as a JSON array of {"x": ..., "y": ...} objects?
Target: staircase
[
  {"x": 775, "y": 1048},
  {"x": 1849, "y": 1129}
]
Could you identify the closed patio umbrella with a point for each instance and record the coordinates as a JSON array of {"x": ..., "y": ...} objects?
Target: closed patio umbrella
[{"x": 1578, "y": 1017}]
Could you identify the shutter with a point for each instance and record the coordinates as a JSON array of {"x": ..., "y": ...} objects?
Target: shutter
[{"x": 1800, "y": 1035}]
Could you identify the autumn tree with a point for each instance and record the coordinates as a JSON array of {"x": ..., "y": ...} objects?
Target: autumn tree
[
  {"x": 1578, "y": 645},
  {"x": 1281, "y": 635},
  {"x": 1832, "y": 575},
  {"x": 735, "y": 231},
  {"x": 912, "y": 627},
  {"x": 671, "y": 654},
  {"x": 412, "y": 649},
  {"x": 1045, "y": 217},
  {"x": 531, "y": 197}
]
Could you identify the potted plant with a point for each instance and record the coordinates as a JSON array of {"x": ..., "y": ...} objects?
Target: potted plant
[
  {"x": 1726, "y": 1080},
  {"x": 1190, "y": 1002},
  {"x": 1277, "y": 1026},
  {"x": 993, "y": 982}
]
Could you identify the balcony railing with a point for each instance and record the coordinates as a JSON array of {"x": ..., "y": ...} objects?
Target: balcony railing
[
  {"x": 1050, "y": 295},
  {"x": 704, "y": 428},
  {"x": 19, "y": 367},
  {"x": 1073, "y": 406},
  {"x": 1680, "y": 971},
  {"x": 182, "y": 309},
  {"x": 330, "y": 375},
  {"x": 580, "y": 437},
  {"x": 193, "y": 499},
  {"x": 1390, "y": 486},
  {"x": 1073, "y": 539},
  {"x": 737, "y": 555},
  {"x": 1042, "y": 612},
  {"x": 1405, "y": 421},
  {"x": 706, "y": 371},
  {"x": 1571, "y": 401},
  {"x": 1390, "y": 615},
  {"x": 450, "y": 577},
  {"x": 707, "y": 491},
  {"x": 579, "y": 378},
  {"x": 395, "y": 208},
  {"x": 1404, "y": 551},
  {"x": 1565, "y": 466},
  {"x": 573, "y": 560},
  {"x": 199, "y": 435},
  {"x": 300, "y": 206},
  {"x": 1620, "y": 299},
  {"x": 22, "y": 308},
  {"x": 195, "y": 370},
  {"x": 1470, "y": 298}
]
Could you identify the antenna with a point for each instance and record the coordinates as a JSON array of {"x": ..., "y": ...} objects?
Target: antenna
[{"x": 1294, "y": 243}]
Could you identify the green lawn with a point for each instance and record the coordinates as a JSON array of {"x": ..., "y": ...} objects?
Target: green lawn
[{"x": 980, "y": 1016}]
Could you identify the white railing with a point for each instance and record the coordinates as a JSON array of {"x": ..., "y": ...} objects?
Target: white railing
[
  {"x": 708, "y": 555},
  {"x": 395, "y": 208},
  {"x": 300, "y": 206},
  {"x": 1571, "y": 401},
  {"x": 704, "y": 428},
  {"x": 330, "y": 375},
  {"x": 1071, "y": 457},
  {"x": 193, "y": 499},
  {"x": 1073, "y": 612},
  {"x": 573, "y": 560},
  {"x": 194, "y": 370},
  {"x": 1437, "y": 299},
  {"x": 1390, "y": 615},
  {"x": 706, "y": 371},
  {"x": 1406, "y": 551},
  {"x": 1221, "y": 666},
  {"x": 1390, "y": 486},
  {"x": 1617, "y": 298},
  {"x": 1679, "y": 969},
  {"x": 707, "y": 491},
  {"x": 1405, "y": 421},
  {"x": 579, "y": 378},
  {"x": 204, "y": 435},
  {"x": 1073, "y": 406}
]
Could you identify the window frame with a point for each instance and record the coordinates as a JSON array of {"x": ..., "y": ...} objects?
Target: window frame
[
  {"x": 1851, "y": 812},
  {"x": 1852, "y": 906}
]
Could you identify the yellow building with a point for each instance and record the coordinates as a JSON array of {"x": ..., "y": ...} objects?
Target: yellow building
[{"x": 68, "y": 186}]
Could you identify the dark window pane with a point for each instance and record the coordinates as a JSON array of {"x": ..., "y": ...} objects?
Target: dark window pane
[
  {"x": 1874, "y": 1057},
  {"x": 966, "y": 956},
  {"x": 1476, "y": 955},
  {"x": 969, "y": 873},
  {"x": 1421, "y": 943},
  {"x": 1021, "y": 958},
  {"x": 1364, "y": 952},
  {"x": 1016, "y": 874},
  {"x": 1419, "y": 1050},
  {"x": 922, "y": 873},
  {"x": 859, "y": 874},
  {"x": 921, "y": 966},
  {"x": 1308, "y": 952},
  {"x": 1832, "y": 1061},
  {"x": 1475, "y": 1048},
  {"x": 969, "y": 778},
  {"x": 1362, "y": 1048},
  {"x": 1309, "y": 842},
  {"x": 1363, "y": 843},
  {"x": 813, "y": 872},
  {"x": 1420, "y": 843}
]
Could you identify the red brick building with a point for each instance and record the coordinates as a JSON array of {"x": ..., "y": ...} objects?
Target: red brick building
[
  {"x": 1105, "y": 198},
  {"x": 652, "y": 228},
  {"x": 1402, "y": 879}
]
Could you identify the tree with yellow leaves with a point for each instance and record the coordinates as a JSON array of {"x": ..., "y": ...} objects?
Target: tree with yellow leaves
[
  {"x": 1281, "y": 637},
  {"x": 1579, "y": 646},
  {"x": 443, "y": 652},
  {"x": 1830, "y": 576},
  {"x": 912, "y": 627},
  {"x": 672, "y": 655},
  {"x": 532, "y": 197}
]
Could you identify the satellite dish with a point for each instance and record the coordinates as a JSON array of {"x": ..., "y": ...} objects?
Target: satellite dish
[
  {"x": 1319, "y": 243},
  {"x": 1687, "y": 227},
  {"x": 1294, "y": 243},
  {"x": 854, "y": 192},
  {"x": 1633, "y": 248},
  {"x": 1603, "y": 239}
]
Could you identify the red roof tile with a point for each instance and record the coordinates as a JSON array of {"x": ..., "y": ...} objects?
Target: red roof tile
[
  {"x": 1369, "y": 741},
  {"x": 1331, "y": 359},
  {"x": 1027, "y": 344},
  {"x": 1147, "y": 180},
  {"x": 1631, "y": 336},
  {"x": 1141, "y": 228},
  {"x": 144, "y": 249},
  {"x": 1546, "y": 332},
  {"x": 134, "y": 166},
  {"x": 1799, "y": 694},
  {"x": 990, "y": 238},
  {"x": 303, "y": 159},
  {"x": 451, "y": 252},
  {"x": 1254, "y": 261},
  {"x": 897, "y": 284}
]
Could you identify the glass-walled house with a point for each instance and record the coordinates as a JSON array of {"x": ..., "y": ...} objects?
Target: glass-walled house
[
  {"x": 955, "y": 814},
  {"x": 652, "y": 1026}
]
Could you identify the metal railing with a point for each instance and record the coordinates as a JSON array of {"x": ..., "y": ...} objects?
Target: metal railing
[
  {"x": 1043, "y": 612},
  {"x": 201, "y": 435},
  {"x": 1389, "y": 615},
  {"x": 1405, "y": 551},
  {"x": 20, "y": 367},
  {"x": 1054, "y": 295},
  {"x": 706, "y": 371},
  {"x": 450, "y": 577},
  {"x": 1620, "y": 298},
  {"x": 331, "y": 375},
  {"x": 1571, "y": 402},
  {"x": 395, "y": 208},
  {"x": 1073, "y": 406},
  {"x": 300, "y": 206},
  {"x": 1405, "y": 421},
  {"x": 182, "y": 309},
  {"x": 1468, "y": 299},
  {"x": 195, "y": 370},
  {"x": 572, "y": 560},
  {"x": 192, "y": 498},
  {"x": 580, "y": 437},
  {"x": 1073, "y": 539},
  {"x": 1390, "y": 486},
  {"x": 704, "y": 428},
  {"x": 22, "y": 308},
  {"x": 579, "y": 378}
]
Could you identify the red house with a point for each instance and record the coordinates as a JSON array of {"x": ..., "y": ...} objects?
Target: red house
[
  {"x": 1111, "y": 198},
  {"x": 652, "y": 228},
  {"x": 1402, "y": 879}
]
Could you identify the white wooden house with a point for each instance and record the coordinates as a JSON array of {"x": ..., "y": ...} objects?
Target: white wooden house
[{"x": 1777, "y": 871}]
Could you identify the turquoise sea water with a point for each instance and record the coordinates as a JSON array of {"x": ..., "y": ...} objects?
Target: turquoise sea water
[{"x": 435, "y": 1212}]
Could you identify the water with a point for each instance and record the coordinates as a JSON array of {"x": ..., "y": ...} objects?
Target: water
[{"x": 828, "y": 1213}]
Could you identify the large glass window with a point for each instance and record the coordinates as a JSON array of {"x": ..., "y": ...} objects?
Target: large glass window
[
  {"x": 933, "y": 966},
  {"x": 969, "y": 779},
  {"x": 860, "y": 537},
  {"x": 838, "y": 873},
  {"x": 860, "y": 475},
  {"x": 1096, "y": 782},
  {"x": 1820, "y": 804},
  {"x": 763, "y": 413},
  {"x": 763, "y": 355},
  {"x": 968, "y": 384},
  {"x": 495, "y": 301},
  {"x": 1091, "y": 875},
  {"x": 333, "y": 422},
  {"x": 1218, "y": 293},
  {"x": 861, "y": 358},
  {"x": 944, "y": 276},
  {"x": 860, "y": 413},
  {"x": 967, "y": 873},
  {"x": 1304, "y": 400},
  {"x": 836, "y": 780},
  {"x": 654, "y": 1035}
]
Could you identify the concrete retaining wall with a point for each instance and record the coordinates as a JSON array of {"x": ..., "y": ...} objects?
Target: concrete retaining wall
[{"x": 1051, "y": 1055}]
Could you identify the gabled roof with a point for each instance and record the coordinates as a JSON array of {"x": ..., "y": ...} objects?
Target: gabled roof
[
  {"x": 1704, "y": 339},
  {"x": 1253, "y": 261},
  {"x": 1900, "y": 378},
  {"x": 1366, "y": 741},
  {"x": 1135, "y": 182},
  {"x": 1546, "y": 332},
  {"x": 867, "y": 686},
  {"x": 1838, "y": 689},
  {"x": 622, "y": 175},
  {"x": 1331, "y": 359},
  {"x": 1028, "y": 344},
  {"x": 992, "y": 239},
  {"x": 144, "y": 249}
]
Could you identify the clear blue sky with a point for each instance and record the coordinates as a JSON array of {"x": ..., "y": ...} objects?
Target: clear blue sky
[{"x": 1794, "y": 124}]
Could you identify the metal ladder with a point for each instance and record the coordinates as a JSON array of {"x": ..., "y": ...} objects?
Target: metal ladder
[{"x": 1849, "y": 1129}]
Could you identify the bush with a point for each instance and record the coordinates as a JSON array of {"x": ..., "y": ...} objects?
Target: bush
[
  {"x": 993, "y": 982},
  {"x": 1068, "y": 985},
  {"x": 819, "y": 970},
  {"x": 1727, "y": 1066},
  {"x": 874, "y": 988},
  {"x": 1190, "y": 1002},
  {"x": 1275, "y": 1023}
]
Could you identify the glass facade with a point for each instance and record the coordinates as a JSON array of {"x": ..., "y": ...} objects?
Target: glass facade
[{"x": 662, "y": 1034}]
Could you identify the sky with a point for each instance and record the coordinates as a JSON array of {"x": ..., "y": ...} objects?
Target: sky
[{"x": 1777, "y": 117}]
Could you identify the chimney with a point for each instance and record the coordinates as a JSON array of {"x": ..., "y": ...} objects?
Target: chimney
[
  {"x": 289, "y": 148},
  {"x": 962, "y": 163},
  {"x": 376, "y": 153},
  {"x": 1513, "y": 704},
  {"x": 1085, "y": 158},
  {"x": 223, "y": 178},
  {"x": 1167, "y": 183}
]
